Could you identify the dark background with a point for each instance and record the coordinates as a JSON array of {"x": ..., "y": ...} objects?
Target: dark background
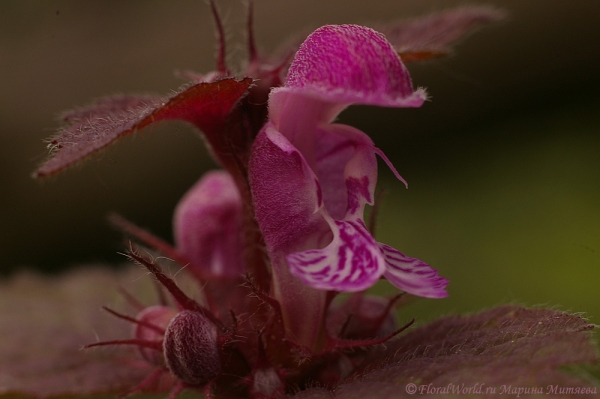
[{"x": 503, "y": 163}]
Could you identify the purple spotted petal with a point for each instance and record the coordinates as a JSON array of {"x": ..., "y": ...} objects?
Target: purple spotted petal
[
  {"x": 412, "y": 275},
  {"x": 346, "y": 168},
  {"x": 207, "y": 225},
  {"x": 332, "y": 153},
  {"x": 351, "y": 262}
]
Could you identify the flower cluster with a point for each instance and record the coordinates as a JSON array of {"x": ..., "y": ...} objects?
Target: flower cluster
[{"x": 274, "y": 236}]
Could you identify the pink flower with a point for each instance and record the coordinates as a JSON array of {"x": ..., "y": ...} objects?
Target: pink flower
[
  {"x": 208, "y": 226},
  {"x": 311, "y": 178}
]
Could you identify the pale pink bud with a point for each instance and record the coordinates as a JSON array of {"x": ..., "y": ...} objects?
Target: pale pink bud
[
  {"x": 159, "y": 317},
  {"x": 208, "y": 225}
]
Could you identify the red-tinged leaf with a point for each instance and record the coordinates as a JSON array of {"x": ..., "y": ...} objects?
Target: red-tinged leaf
[
  {"x": 506, "y": 348},
  {"x": 431, "y": 36},
  {"x": 205, "y": 105},
  {"x": 104, "y": 107},
  {"x": 44, "y": 323}
]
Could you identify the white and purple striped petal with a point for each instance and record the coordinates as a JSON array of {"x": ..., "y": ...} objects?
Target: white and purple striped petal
[
  {"x": 412, "y": 275},
  {"x": 351, "y": 262}
]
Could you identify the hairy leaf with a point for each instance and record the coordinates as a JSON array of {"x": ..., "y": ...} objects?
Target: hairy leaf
[
  {"x": 432, "y": 35},
  {"x": 44, "y": 323},
  {"x": 205, "y": 105},
  {"x": 505, "y": 348}
]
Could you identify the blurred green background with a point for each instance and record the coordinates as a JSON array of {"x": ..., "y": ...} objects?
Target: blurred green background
[{"x": 503, "y": 163}]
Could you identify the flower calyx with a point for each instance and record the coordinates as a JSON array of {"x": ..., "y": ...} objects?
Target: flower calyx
[{"x": 187, "y": 341}]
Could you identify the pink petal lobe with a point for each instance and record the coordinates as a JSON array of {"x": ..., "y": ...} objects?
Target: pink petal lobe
[
  {"x": 350, "y": 64},
  {"x": 287, "y": 197},
  {"x": 351, "y": 262},
  {"x": 205, "y": 105},
  {"x": 285, "y": 191},
  {"x": 412, "y": 275},
  {"x": 208, "y": 225}
]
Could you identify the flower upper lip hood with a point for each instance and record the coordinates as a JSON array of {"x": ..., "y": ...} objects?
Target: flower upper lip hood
[
  {"x": 321, "y": 175},
  {"x": 343, "y": 65}
]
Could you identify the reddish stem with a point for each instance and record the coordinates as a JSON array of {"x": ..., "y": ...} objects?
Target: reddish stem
[
  {"x": 135, "y": 321},
  {"x": 157, "y": 243},
  {"x": 252, "y": 54},
  {"x": 337, "y": 343},
  {"x": 181, "y": 298},
  {"x": 138, "y": 342},
  {"x": 221, "y": 67}
]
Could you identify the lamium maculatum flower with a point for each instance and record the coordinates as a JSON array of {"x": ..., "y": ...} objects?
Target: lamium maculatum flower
[{"x": 311, "y": 178}]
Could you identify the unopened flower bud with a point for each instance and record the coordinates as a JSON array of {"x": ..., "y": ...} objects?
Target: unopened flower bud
[
  {"x": 208, "y": 225},
  {"x": 190, "y": 348},
  {"x": 158, "y": 316}
]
